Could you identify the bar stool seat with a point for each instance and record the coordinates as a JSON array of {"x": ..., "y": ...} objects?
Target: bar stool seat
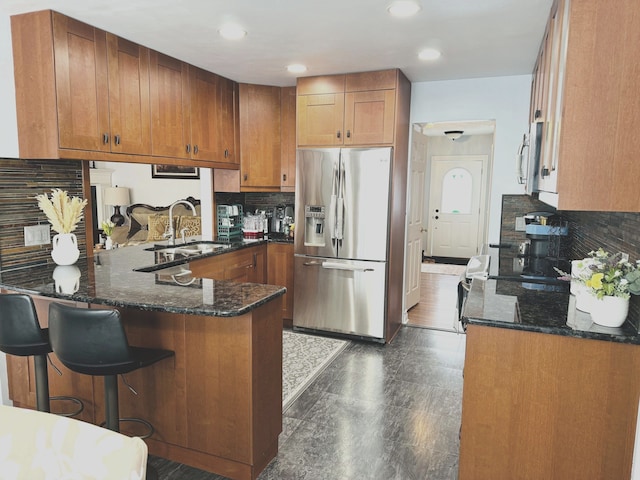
[
  {"x": 21, "y": 335},
  {"x": 93, "y": 342}
]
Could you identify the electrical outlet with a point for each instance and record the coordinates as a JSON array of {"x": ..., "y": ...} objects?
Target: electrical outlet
[
  {"x": 520, "y": 224},
  {"x": 37, "y": 235}
]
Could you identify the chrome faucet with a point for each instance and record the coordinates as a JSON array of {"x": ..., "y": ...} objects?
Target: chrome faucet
[{"x": 172, "y": 232}]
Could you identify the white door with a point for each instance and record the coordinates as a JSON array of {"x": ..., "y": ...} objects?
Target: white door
[
  {"x": 455, "y": 206},
  {"x": 413, "y": 252}
]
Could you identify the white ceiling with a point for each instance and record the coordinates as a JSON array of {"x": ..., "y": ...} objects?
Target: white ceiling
[{"x": 478, "y": 38}]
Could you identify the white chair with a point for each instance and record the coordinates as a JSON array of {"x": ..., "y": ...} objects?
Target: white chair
[{"x": 41, "y": 446}]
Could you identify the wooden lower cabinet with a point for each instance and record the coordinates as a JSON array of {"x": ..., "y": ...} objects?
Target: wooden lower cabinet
[
  {"x": 280, "y": 272},
  {"x": 547, "y": 406},
  {"x": 246, "y": 265},
  {"x": 216, "y": 405}
]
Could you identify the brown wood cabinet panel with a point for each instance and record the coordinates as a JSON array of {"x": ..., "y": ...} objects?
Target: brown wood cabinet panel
[
  {"x": 369, "y": 117},
  {"x": 320, "y": 119},
  {"x": 288, "y": 139},
  {"x": 547, "y": 406},
  {"x": 246, "y": 265},
  {"x": 228, "y": 120},
  {"x": 81, "y": 85},
  {"x": 204, "y": 90},
  {"x": 365, "y": 81},
  {"x": 259, "y": 136},
  {"x": 321, "y": 84},
  {"x": 280, "y": 272},
  {"x": 170, "y": 110},
  {"x": 130, "y": 117}
]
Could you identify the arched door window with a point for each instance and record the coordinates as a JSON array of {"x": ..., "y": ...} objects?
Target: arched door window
[{"x": 457, "y": 186}]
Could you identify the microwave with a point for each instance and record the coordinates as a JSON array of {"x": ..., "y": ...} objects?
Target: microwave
[{"x": 528, "y": 158}]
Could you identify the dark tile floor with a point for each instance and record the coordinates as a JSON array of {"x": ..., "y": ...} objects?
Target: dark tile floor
[{"x": 377, "y": 412}]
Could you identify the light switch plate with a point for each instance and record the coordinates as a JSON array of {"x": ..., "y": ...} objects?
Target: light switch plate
[
  {"x": 37, "y": 235},
  {"x": 520, "y": 224}
]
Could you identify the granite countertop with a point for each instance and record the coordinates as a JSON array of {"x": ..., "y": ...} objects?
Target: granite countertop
[
  {"x": 109, "y": 279},
  {"x": 528, "y": 306}
]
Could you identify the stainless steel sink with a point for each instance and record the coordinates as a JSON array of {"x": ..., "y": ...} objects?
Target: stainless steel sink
[{"x": 192, "y": 249}]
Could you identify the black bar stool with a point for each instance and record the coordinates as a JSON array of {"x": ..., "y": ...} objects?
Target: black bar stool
[
  {"x": 93, "y": 342},
  {"x": 21, "y": 335}
]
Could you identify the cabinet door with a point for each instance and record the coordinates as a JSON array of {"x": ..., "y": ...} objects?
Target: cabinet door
[
  {"x": 320, "y": 119},
  {"x": 130, "y": 117},
  {"x": 203, "y": 87},
  {"x": 288, "y": 136},
  {"x": 81, "y": 85},
  {"x": 280, "y": 272},
  {"x": 259, "y": 136},
  {"x": 369, "y": 117},
  {"x": 169, "y": 91},
  {"x": 227, "y": 120}
]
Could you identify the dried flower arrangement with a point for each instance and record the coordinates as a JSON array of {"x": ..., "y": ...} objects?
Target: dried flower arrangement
[{"x": 63, "y": 212}]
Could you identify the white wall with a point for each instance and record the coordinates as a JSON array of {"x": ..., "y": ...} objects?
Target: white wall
[
  {"x": 152, "y": 191},
  {"x": 503, "y": 99}
]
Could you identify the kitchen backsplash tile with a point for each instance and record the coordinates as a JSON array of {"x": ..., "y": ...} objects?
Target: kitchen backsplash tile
[
  {"x": 20, "y": 182},
  {"x": 613, "y": 231}
]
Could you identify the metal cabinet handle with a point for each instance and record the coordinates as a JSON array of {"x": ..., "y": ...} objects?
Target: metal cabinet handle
[
  {"x": 188, "y": 148},
  {"x": 338, "y": 134},
  {"x": 245, "y": 177},
  {"x": 105, "y": 138},
  {"x": 284, "y": 177},
  {"x": 226, "y": 153},
  {"x": 348, "y": 133},
  {"x": 117, "y": 139},
  {"x": 195, "y": 149}
]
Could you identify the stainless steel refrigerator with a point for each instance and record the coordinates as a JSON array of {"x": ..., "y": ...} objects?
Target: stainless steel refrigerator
[{"x": 341, "y": 242}]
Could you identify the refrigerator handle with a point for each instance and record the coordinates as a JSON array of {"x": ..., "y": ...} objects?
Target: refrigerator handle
[
  {"x": 340, "y": 207},
  {"x": 343, "y": 266},
  {"x": 313, "y": 264},
  {"x": 333, "y": 202}
]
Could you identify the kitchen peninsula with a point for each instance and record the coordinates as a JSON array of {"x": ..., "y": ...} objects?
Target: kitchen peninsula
[
  {"x": 218, "y": 405},
  {"x": 547, "y": 393}
]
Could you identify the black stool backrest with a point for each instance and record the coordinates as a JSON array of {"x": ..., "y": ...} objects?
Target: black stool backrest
[
  {"x": 20, "y": 332},
  {"x": 89, "y": 341}
]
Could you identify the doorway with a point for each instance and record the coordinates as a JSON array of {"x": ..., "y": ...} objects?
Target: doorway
[{"x": 456, "y": 189}]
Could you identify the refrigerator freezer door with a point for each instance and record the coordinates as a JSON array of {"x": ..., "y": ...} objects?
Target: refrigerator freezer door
[
  {"x": 340, "y": 296},
  {"x": 363, "y": 203},
  {"x": 317, "y": 187}
]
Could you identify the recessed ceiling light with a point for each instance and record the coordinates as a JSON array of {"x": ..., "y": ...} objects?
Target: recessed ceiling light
[
  {"x": 429, "y": 54},
  {"x": 231, "y": 31},
  {"x": 403, "y": 8},
  {"x": 296, "y": 68}
]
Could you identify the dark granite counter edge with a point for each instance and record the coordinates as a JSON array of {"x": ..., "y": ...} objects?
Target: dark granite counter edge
[{"x": 564, "y": 331}]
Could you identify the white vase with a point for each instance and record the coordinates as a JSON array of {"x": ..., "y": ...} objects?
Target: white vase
[
  {"x": 609, "y": 311},
  {"x": 66, "y": 278},
  {"x": 65, "y": 249},
  {"x": 108, "y": 243}
]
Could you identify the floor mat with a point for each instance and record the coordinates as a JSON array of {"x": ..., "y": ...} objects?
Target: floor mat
[{"x": 304, "y": 357}]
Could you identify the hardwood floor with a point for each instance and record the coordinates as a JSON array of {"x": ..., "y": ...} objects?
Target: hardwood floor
[
  {"x": 378, "y": 412},
  {"x": 438, "y": 301}
]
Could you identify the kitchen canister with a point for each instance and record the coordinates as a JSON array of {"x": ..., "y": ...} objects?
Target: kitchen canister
[{"x": 65, "y": 249}]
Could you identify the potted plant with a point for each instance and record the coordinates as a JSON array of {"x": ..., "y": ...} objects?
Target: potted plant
[
  {"x": 610, "y": 280},
  {"x": 64, "y": 214},
  {"x": 107, "y": 228}
]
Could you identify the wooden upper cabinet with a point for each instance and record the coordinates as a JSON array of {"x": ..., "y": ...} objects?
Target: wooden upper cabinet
[
  {"x": 203, "y": 87},
  {"x": 593, "y": 82},
  {"x": 228, "y": 131},
  {"x": 288, "y": 139},
  {"x": 351, "y": 109},
  {"x": 130, "y": 117},
  {"x": 81, "y": 85},
  {"x": 170, "y": 113},
  {"x": 260, "y": 137}
]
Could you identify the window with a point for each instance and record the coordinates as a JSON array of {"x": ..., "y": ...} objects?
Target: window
[{"x": 457, "y": 186}]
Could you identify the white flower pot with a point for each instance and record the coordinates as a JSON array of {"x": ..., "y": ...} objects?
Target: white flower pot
[
  {"x": 67, "y": 279},
  {"x": 609, "y": 311},
  {"x": 583, "y": 297},
  {"x": 65, "y": 249}
]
